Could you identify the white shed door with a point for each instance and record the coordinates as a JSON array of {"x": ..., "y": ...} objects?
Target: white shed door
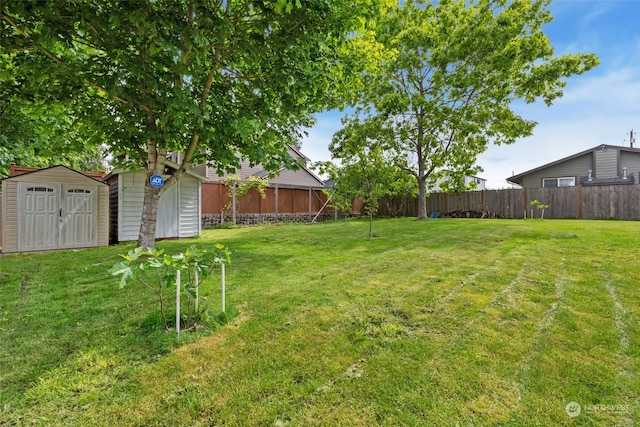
[
  {"x": 55, "y": 216},
  {"x": 38, "y": 215},
  {"x": 167, "y": 221},
  {"x": 79, "y": 216}
]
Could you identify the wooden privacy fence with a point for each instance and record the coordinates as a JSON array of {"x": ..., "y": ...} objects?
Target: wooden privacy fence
[
  {"x": 591, "y": 202},
  {"x": 281, "y": 203}
]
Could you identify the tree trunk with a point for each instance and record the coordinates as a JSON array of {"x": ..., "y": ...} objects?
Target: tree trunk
[
  {"x": 371, "y": 225},
  {"x": 147, "y": 235},
  {"x": 422, "y": 198}
]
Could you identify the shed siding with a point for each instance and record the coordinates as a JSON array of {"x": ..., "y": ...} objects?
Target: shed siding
[
  {"x": 189, "y": 204},
  {"x": 577, "y": 168},
  {"x": 185, "y": 194},
  {"x": 606, "y": 163},
  {"x": 130, "y": 201},
  {"x": 9, "y": 216},
  {"x": 113, "y": 208},
  {"x": 103, "y": 215}
]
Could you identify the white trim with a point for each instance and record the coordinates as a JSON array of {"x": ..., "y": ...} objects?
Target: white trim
[{"x": 558, "y": 180}]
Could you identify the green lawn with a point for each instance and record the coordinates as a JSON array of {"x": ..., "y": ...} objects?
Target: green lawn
[{"x": 439, "y": 322}]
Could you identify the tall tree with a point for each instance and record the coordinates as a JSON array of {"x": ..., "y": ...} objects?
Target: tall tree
[
  {"x": 208, "y": 79},
  {"x": 449, "y": 74}
]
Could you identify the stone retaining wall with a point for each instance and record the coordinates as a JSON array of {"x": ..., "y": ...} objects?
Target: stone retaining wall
[{"x": 213, "y": 220}]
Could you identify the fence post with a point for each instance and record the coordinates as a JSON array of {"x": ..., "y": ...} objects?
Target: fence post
[
  {"x": 310, "y": 205},
  {"x": 233, "y": 202},
  {"x": 277, "y": 203}
]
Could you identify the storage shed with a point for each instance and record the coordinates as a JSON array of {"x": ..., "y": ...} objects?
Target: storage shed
[
  {"x": 54, "y": 208},
  {"x": 178, "y": 210}
]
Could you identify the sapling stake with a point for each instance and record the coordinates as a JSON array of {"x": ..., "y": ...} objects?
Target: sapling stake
[
  {"x": 178, "y": 303},
  {"x": 223, "y": 290},
  {"x": 197, "y": 289}
]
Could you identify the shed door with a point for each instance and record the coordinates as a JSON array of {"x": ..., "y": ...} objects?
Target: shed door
[
  {"x": 57, "y": 216},
  {"x": 167, "y": 221},
  {"x": 79, "y": 216},
  {"x": 38, "y": 214}
]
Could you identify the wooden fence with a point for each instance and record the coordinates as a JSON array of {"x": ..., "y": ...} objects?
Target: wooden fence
[
  {"x": 279, "y": 200},
  {"x": 592, "y": 202}
]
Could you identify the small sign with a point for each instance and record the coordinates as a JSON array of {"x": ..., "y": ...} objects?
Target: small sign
[{"x": 157, "y": 181}]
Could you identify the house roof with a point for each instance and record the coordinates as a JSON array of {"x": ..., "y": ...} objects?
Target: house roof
[
  {"x": 15, "y": 171},
  {"x": 517, "y": 179}
]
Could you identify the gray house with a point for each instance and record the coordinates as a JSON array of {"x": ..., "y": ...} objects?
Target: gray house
[{"x": 601, "y": 165}]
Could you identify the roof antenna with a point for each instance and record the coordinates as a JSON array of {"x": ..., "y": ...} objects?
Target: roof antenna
[{"x": 631, "y": 138}]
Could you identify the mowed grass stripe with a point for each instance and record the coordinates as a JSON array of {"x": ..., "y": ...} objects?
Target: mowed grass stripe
[{"x": 481, "y": 356}]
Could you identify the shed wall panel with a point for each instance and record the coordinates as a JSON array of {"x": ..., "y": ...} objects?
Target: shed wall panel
[
  {"x": 10, "y": 216},
  {"x": 174, "y": 220},
  {"x": 189, "y": 205}
]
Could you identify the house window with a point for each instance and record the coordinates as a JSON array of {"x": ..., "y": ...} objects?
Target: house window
[{"x": 569, "y": 181}]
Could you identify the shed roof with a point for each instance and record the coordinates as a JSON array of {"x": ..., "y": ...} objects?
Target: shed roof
[{"x": 16, "y": 171}]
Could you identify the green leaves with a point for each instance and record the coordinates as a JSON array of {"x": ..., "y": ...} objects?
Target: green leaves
[
  {"x": 124, "y": 269},
  {"x": 209, "y": 79},
  {"x": 447, "y": 76},
  {"x": 157, "y": 270}
]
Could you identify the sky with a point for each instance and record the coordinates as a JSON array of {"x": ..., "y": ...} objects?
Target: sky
[{"x": 601, "y": 106}]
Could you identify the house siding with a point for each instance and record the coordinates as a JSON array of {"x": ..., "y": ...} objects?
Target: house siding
[
  {"x": 606, "y": 163},
  {"x": 58, "y": 175},
  {"x": 295, "y": 178},
  {"x": 577, "y": 168},
  {"x": 631, "y": 161}
]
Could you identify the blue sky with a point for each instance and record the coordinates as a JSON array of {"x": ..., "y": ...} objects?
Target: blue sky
[{"x": 599, "y": 107}]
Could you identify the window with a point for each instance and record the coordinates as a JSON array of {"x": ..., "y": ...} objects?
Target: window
[{"x": 568, "y": 181}]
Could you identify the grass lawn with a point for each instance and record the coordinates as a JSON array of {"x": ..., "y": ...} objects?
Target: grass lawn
[{"x": 437, "y": 322}]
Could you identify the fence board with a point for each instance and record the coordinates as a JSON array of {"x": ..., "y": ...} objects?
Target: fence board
[
  {"x": 290, "y": 200},
  {"x": 591, "y": 202}
]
